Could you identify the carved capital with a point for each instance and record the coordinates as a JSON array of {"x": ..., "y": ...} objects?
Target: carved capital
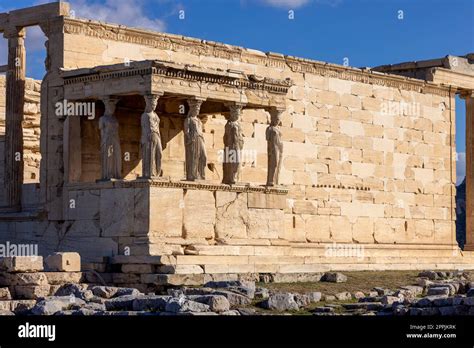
[
  {"x": 14, "y": 33},
  {"x": 110, "y": 104},
  {"x": 151, "y": 101},
  {"x": 467, "y": 94},
  {"x": 195, "y": 106},
  {"x": 275, "y": 115},
  {"x": 235, "y": 110}
]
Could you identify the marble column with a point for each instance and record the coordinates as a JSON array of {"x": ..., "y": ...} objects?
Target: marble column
[
  {"x": 469, "y": 98},
  {"x": 195, "y": 148},
  {"x": 233, "y": 145},
  {"x": 15, "y": 97}
]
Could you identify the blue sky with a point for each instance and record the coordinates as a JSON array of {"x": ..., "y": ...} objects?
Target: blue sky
[{"x": 366, "y": 32}]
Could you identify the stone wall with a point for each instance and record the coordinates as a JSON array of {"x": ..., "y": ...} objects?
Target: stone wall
[
  {"x": 31, "y": 137},
  {"x": 357, "y": 171}
]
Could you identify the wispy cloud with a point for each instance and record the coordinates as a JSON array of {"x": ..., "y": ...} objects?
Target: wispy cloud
[{"x": 460, "y": 167}]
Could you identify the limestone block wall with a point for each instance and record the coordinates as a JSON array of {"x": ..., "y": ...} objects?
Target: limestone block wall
[
  {"x": 31, "y": 137},
  {"x": 368, "y": 157}
]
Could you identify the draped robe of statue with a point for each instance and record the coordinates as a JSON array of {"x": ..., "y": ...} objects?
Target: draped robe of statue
[
  {"x": 274, "y": 151},
  {"x": 151, "y": 141},
  {"x": 233, "y": 145},
  {"x": 111, "y": 153},
  {"x": 196, "y": 157}
]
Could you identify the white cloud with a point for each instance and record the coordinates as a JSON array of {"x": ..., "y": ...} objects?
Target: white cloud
[
  {"x": 127, "y": 12},
  {"x": 460, "y": 167}
]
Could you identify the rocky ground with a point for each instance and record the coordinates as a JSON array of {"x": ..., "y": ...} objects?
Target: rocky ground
[{"x": 426, "y": 293}]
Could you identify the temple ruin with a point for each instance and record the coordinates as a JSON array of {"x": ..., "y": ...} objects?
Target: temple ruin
[{"x": 215, "y": 160}]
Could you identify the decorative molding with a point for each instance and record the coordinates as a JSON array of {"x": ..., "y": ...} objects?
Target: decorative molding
[
  {"x": 183, "y": 73},
  {"x": 218, "y": 50},
  {"x": 343, "y": 187},
  {"x": 185, "y": 185}
]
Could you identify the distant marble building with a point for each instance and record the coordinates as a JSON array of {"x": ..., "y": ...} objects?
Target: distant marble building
[{"x": 360, "y": 157}]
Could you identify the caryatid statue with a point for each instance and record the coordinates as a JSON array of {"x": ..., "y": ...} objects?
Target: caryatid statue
[
  {"x": 196, "y": 157},
  {"x": 151, "y": 139},
  {"x": 233, "y": 145},
  {"x": 274, "y": 147},
  {"x": 111, "y": 153}
]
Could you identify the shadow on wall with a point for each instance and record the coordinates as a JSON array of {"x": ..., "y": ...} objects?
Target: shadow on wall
[{"x": 461, "y": 214}]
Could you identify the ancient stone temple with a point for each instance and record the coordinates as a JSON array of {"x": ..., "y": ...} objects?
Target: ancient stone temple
[{"x": 213, "y": 159}]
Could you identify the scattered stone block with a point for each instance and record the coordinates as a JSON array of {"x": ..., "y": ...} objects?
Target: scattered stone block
[
  {"x": 64, "y": 262},
  {"x": 21, "y": 264},
  {"x": 137, "y": 268},
  {"x": 390, "y": 300},
  {"x": 28, "y": 279},
  {"x": 358, "y": 295},
  {"x": 181, "y": 304},
  {"x": 343, "y": 296},
  {"x": 122, "y": 303},
  {"x": 31, "y": 292},
  {"x": 438, "y": 291},
  {"x": 154, "y": 303},
  {"x": 315, "y": 296},
  {"x": 54, "y": 304},
  {"x": 281, "y": 302},
  {"x": 5, "y": 294},
  {"x": 334, "y": 277},
  {"x": 262, "y": 294},
  {"x": 431, "y": 275},
  {"x": 61, "y": 278}
]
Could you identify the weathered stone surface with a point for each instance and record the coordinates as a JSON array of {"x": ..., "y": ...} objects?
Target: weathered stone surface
[
  {"x": 181, "y": 304},
  {"x": 122, "y": 303},
  {"x": 61, "y": 278},
  {"x": 117, "y": 211},
  {"x": 234, "y": 298},
  {"x": 199, "y": 214},
  {"x": 280, "y": 302},
  {"x": 22, "y": 263},
  {"x": 111, "y": 291},
  {"x": 216, "y": 303},
  {"x": 245, "y": 288},
  {"x": 232, "y": 215},
  {"x": 438, "y": 291},
  {"x": 152, "y": 303},
  {"x": 54, "y": 304},
  {"x": 63, "y": 262},
  {"x": 28, "y": 292},
  {"x": 5, "y": 294},
  {"x": 173, "y": 279},
  {"x": 334, "y": 277},
  {"x": 166, "y": 208},
  {"x": 265, "y": 223},
  {"x": 78, "y": 290},
  {"x": 28, "y": 279},
  {"x": 343, "y": 296}
]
